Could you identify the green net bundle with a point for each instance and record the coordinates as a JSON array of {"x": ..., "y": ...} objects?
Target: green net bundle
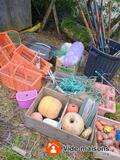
[{"x": 80, "y": 85}]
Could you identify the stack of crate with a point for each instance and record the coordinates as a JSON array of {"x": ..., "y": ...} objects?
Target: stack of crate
[{"x": 18, "y": 69}]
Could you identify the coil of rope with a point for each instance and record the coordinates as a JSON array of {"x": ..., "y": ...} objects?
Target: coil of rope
[{"x": 74, "y": 85}]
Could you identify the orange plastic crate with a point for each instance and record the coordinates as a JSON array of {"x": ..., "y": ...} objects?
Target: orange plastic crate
[
  {"x": 4, "y": 39},
  {"x": 27, "y": 57},
  {"x": 19, "y": 78},
  {"x": 6, "y": 54}
]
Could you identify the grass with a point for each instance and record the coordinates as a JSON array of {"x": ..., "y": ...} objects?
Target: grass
[
  {"x": 115, "y": 116},
  {"x": 10, "y": 155},
  {"x": 56, "y": 158}
]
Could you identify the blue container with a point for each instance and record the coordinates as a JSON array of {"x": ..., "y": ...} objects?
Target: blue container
[
  {"x": 117, "y": 136},
  {"x": 106, "y": 64}
]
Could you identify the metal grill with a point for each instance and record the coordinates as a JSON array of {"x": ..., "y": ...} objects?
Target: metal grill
[{"x": 5, "y": 133}]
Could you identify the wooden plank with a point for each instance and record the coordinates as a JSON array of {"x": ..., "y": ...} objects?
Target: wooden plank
[
  {"x": 56, "y": 18},
  {"x": 4, "y": 16},
  {"x": 48, "y": 13},
  {"x": 19, "y": 150},
  {"x": 15, "y": 14}
]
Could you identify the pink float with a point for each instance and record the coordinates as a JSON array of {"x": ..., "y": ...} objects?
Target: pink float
[
  {"x": 25, "y": 99},
  {"x": 109, "y": 95}
]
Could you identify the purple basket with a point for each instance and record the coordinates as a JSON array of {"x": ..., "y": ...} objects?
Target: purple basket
[{"x": 25, "y": 99}]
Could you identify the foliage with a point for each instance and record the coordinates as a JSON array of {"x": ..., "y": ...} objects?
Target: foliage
[
  {"x": 60, "y": 157},
  {"x": 67, "y": 8},
  {"x": 115, "y": 116},
  {"x": 10, "y": 155},
  {"x": 63, "y": 7},
  {"x": 75, "y": 31}
]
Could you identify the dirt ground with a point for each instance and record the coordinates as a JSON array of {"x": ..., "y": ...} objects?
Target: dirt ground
[{"x": 20, "y": 135}]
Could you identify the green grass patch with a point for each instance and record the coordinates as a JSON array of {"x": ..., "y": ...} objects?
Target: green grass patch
[{"x": 10, "y": 155}]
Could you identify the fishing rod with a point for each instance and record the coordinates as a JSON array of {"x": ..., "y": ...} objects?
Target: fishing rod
[
  {"x": 93, "y": 21},
  {"x": 90, "y": 19},
  {"x": 109, "y": 28},
  {"x": 109, "y": 23},
  {"x": 95, "y": 10},
  {"x": 117, "y": 53},
  {"x": 103, "y": 24},
  {"x": 98, "y": 11},
  {"x": 100, "y": 7},
  {"x": 85, "y": 21}
]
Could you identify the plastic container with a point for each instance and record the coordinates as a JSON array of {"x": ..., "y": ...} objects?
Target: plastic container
[
  {"x": 6, "y": 54},
  {"x": 25, "y": 99},
  {"x": 4, "y": 39},
  {"x": 103, "y": 63},
  {"x": 24, "y": 55},
  {"x": 19, "y": 78},
  {"x": 46, "y": 51},
  {"x": 109, "y": 96}
]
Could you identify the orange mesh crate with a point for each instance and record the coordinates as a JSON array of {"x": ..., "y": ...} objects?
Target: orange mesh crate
[
  {"x": 4, "y": 39},
  {"x": 19, "y": 78},
  {"x": 28, "y": 58},
  {"x": 6, "y": 54}
]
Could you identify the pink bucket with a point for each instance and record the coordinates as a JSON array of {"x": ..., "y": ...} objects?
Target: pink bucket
[
  {"x": 26, "y": 98},
  {"x": 109, "y": 95}
]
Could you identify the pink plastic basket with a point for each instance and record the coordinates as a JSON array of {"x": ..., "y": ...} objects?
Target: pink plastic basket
[
  {"x": 109, "y": 95},
  {"x": 25, "y": 99}
]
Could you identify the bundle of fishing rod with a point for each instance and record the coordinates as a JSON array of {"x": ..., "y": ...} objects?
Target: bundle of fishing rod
[{"x": 92, "y": 13}]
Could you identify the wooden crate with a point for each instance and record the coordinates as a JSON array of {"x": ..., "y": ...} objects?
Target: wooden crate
[
  {"x": 56, "y": 133},
  {"x": 15, "y": 14},
  {"x": 69, "y": 70},
  {"x": 104, "y": 155}
]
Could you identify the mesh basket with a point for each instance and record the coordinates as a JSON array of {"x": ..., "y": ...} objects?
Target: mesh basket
[
  {"x": 6, "y": 54},
  {"x": 27, "y": 57},
  {"x": 19, "y": 78},
  {"x": 4, "y": 39}
]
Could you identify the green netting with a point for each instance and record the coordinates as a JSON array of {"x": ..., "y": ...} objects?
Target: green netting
[{"x": 14, "y": 35}]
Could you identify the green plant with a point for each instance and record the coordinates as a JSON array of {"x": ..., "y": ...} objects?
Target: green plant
[
  {"x": 60, "y": 157},
  {"x": 75, "y": 31},
  {"x": 115, "y": 116},
  {"x": 10, "y": 155},
  {"x": 63, "y": 7},
  {"x": 66, "y": 8}
]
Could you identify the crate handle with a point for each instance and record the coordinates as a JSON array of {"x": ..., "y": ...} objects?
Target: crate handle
[
  {"x": 11, "y": 44},
  {"x": 19, "y": 66},
  {"x": 35, "y": 57},
  {"x": 16, "y": 69}
]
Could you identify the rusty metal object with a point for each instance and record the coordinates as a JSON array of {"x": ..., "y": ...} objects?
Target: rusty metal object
[{"x": 5, "y": 133}]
